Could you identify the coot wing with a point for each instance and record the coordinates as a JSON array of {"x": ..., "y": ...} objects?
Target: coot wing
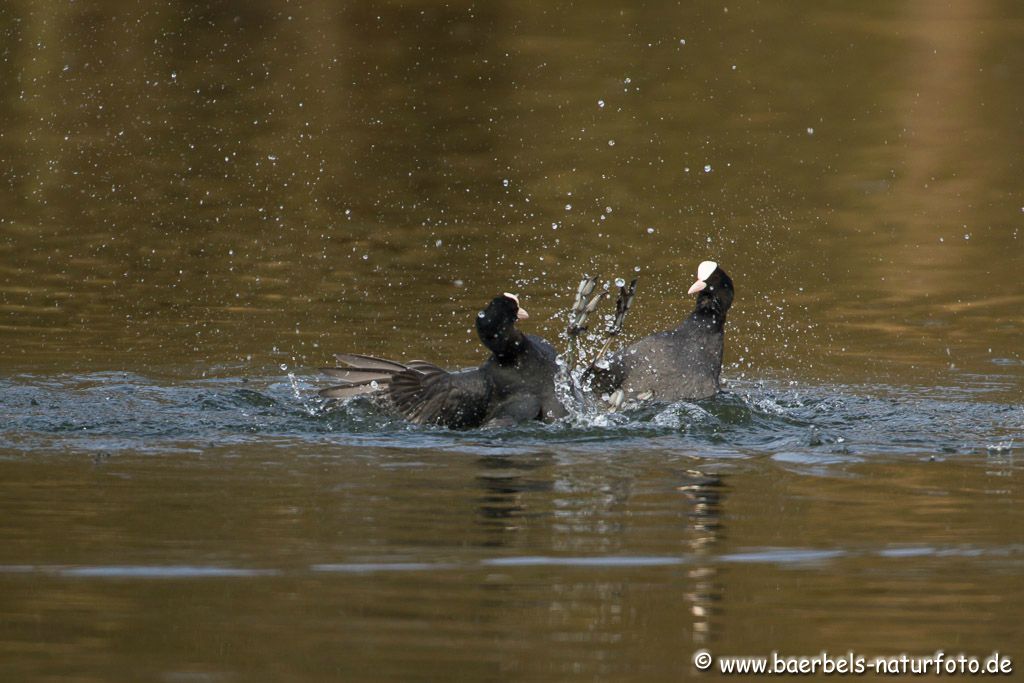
[{"x": 427, "y": 394}]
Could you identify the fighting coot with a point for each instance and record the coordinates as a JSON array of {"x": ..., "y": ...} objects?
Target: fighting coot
[
  {"x": 516, "y": 384},
  {"x": 682, "y": 363}
]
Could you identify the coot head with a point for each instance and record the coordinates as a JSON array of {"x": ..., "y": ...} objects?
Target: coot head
[
  {"x": 495, "y": 323},
  {"x": 713, "y": 288}
]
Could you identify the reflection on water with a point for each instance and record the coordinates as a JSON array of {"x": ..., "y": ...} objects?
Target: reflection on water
[
  {"x": 315, "y": 560},
  {"x": 230, "y": 513},
  {"x": 200, "y": 202}
]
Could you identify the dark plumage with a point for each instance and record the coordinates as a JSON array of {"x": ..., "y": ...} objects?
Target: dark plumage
[
  {"x": 678, "y": 364},
  {"x": 517, "y": 383}
]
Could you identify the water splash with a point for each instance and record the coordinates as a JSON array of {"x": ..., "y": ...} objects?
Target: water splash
[{"x": 824, "y": 425}]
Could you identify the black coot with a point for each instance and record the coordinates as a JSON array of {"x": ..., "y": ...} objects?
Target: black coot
[
  {"x": 516, "y": 384},
  {"x": 678, "y": 364}
]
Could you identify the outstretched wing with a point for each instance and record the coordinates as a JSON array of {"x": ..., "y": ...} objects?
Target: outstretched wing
[
  {"x": 427, "y": 394},
  {"x": 360, "y": 375}
]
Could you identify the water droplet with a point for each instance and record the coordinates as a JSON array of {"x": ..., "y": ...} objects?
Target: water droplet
[
  {"x": 620, "y": 282},
  {"x": 967, "y": 235},
  {"x": 636, "y": 269},
  {"x": 650, "y": 231},
  {"x": 628, "y": 80},
  {"x": 810, "y": 131},
  {"x": 600, "y": 103},
  {"x": 505, "y": 182},
  {"x": 284, "y": 366},
  {"x": 707, "y": 168},
  {"x": 611, "y": 143},
  {"x": 438, "y": 243},
  {"x": 682, "y": 41},
  {"x": 607, "y": 209},
  {"x": 568, "y": 207}
]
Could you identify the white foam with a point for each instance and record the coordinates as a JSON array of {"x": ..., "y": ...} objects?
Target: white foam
[{"x": 705, "y": 269}]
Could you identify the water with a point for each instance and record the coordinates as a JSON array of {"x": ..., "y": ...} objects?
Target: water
[
  {"x": 200, "y": 203},
  {"x": 101, "y": 414},
  {"x": 180, "y": 527}
]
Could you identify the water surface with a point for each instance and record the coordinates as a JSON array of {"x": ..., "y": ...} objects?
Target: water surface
[{"x": 200, "y": 202}]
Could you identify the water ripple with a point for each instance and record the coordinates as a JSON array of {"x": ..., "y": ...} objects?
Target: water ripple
[
  {"x": 800, "y": 426},
  {"x": 776, "y": 556}
]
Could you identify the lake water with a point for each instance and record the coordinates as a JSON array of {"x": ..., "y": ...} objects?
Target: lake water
[{"x": 201, "y": 202}]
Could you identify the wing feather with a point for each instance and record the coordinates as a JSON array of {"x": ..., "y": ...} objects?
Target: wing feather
[
  {"x": 350, "y": 390},
  {"x": 426, "y": 394},
  {"x": 357, "y": 375},
  {"x": 358, "y": 360},
  {"x": 361, "y": 375}
]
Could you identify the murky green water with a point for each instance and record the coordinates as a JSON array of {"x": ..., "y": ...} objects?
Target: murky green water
[{"x": 199, "y": 203}]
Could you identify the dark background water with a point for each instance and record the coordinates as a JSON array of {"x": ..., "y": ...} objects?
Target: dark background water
[{"x": 200, "y": 202}]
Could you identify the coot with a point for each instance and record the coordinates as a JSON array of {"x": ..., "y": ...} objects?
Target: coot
[
  {"x": 678, "y": 364},
  {"x": 516, "y": 384}
]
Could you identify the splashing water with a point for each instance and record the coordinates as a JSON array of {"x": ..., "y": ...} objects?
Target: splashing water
[{"x": 793, "y": 423}]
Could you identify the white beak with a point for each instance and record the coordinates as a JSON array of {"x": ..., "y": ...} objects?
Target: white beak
[
  {"x": 522, "y": 314},
  {"x": 696, "y": 287}
]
